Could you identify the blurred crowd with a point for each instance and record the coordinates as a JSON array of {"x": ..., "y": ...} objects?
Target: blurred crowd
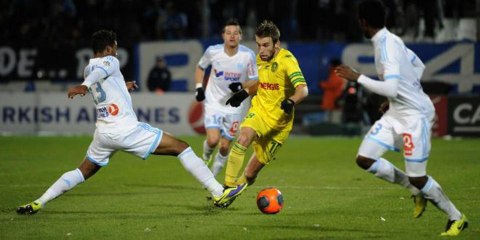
[{"x": 63, "y": 23}]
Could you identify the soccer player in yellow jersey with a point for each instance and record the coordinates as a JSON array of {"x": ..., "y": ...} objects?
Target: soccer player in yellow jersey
[{"x": 269, "y": 121}]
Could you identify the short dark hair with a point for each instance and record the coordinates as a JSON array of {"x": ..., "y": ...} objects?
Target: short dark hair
[
  {"x": 232, "y": 22},
  {"x": 268, "y": 29},
  {"x": 373, "y": 12},
  {"x": 103, "y": 38}
]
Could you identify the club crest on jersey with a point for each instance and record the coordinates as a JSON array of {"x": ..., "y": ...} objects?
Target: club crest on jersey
[
  {"x": 106, "y": 63},
  {"x": 274, "y": 66}
]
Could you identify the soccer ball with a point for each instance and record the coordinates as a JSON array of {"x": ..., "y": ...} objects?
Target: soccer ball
[{"x": 270, "y": 200}]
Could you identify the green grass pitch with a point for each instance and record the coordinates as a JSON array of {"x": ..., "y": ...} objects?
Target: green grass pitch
[{"x": 326, "y": 195}]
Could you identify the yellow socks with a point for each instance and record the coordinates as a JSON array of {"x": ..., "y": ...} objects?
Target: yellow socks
[{"x": 234, "y": 165}]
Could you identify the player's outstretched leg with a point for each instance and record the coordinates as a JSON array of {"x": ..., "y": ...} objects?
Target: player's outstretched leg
[
  {"x": 66, "y": 182},
  {"x": 229, "y": 195}
]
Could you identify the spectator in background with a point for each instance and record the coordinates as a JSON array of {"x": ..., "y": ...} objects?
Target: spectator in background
[
  {"x": 159, "y": 78},
  {"x": 332, "y": 89}
]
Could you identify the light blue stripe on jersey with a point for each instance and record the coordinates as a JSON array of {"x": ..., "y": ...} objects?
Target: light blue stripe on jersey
[
  {"x": 212, "y": 126},
  {"x": 106, "y": 73},
  {"x": 392, "y": 76},
  {"x": 389, "y": 147},
  {"x": 95, "y": 162},
  {"x": 157, "y": 140},
  {"x": 425, "y": 139},
  {"x": 418, "y": 160}
]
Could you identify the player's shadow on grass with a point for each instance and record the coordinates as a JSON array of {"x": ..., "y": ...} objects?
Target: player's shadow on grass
[
  {"x": 324, "y": 230},
  {"x": 157, "y": 188}
]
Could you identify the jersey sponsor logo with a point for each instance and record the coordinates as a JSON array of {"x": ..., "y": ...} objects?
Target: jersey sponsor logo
[
  {"x": 408, "y": 144},
  {"x": 232, "y": 76},
  {"x": 102, "y": 112},
  {"x": 270, "y": 86},
  {"x": 113, "y": 109},
  {"x": 218, "y": 74}
]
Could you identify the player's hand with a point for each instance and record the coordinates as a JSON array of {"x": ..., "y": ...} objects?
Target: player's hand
[
  {"x": 235, "y": 86},
  {"x": 384, "y": 107},
  {"x": 347, "y": 72},
  {"x": 77, "y": 90},
  {"x": 237, "y": 98},
  {"x": 200, "y": 94},
  {"x": 287, "y": 105},
  {"x": 131, "y": 85}
]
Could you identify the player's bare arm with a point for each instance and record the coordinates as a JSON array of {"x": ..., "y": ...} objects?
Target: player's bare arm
[
  {"x": 347, "y": 72},
  {"x": 77, "y": 90},
  {"x": 301, "y": 92}
]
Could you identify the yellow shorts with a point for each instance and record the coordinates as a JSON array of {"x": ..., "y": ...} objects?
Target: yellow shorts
[{"x": 269, "y": 139}]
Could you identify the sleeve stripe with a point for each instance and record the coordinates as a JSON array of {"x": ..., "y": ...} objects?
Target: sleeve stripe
[
  {"x": 298, "y": 80},
  {"x": 295, "y": 74},
  {"x": 106, "y": 73},
  {"x": 393, "y": 76}
]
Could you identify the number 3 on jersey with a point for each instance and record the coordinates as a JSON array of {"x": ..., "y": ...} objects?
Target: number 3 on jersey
[{"x": 98, "y": 93}]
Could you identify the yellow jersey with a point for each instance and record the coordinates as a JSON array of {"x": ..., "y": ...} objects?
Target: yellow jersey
[{"x": 278, "y": 79}]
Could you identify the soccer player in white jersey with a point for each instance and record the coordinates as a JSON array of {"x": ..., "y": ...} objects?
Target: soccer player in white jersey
[
  {"x": 119, "y": 129},
  {"x": 408, "y": 121},
  {"x": 233, "y": 67}
]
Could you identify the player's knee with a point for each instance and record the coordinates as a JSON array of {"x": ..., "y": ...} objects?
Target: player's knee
[
  {"x": 364, "y": 162},
  {"x": 180, "y": 146},
  {"x": 224, "y": 147},
  {"x": 243, "y": 140},
  {"x": 212, "y": 141},
  {"x": 418, "y": 182}
]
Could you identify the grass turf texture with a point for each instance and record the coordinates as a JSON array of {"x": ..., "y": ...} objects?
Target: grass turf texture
[{"x": 326, "y": 195}]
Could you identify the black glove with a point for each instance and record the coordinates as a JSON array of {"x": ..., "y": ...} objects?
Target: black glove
[
  {"x": 200, "y": 94},
  {"x": 287, "y": 105},
  {"x": 237, "y": 98},
  {"x": 235, "y": 87}
]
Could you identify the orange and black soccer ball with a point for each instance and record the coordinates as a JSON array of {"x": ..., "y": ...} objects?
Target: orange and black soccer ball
[{"x": 270, "y": 200}]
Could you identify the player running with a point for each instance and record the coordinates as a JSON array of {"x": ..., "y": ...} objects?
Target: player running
[
  {"x": 269, "y": 120},
  {"x": 233, "y": 67},
  {"x": 407, "y": 122},
  {"x": 119, "y": 129}
]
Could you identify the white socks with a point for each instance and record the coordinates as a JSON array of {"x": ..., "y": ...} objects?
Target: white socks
[
  {"x": 66, "y": 182},
  {"x": 385, "y": 170},
  {"x": 200, "y": 171},
  {"x": 207, "y": 150},
  {"x": 218, "y": 163},
  {"x": 433, "y": 192}
]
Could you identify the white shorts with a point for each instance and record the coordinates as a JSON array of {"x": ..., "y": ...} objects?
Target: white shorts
[
  {"x": 227, "y": 123},
  {"x": 412, "y": 133},
  {"x": 140, "y": 141}
]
